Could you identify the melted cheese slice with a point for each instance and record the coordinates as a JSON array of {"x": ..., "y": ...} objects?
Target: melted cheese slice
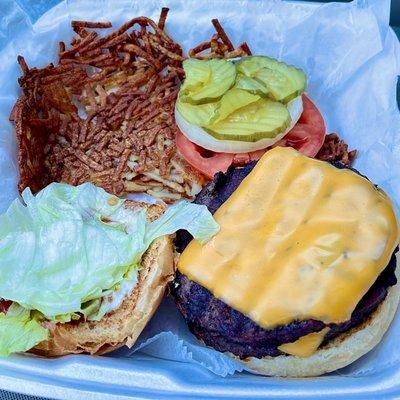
[
  {"x": 306, "y": 345},
  {"x": 299, "y": 239}
]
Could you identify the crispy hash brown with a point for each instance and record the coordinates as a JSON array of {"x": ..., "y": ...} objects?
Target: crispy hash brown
[
  {"x": 335, "y": 149},
  {"x": 219, "y": 46},
  {"x": 105, "y": 113}
]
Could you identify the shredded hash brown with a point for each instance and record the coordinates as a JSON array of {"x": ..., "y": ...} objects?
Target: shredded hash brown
[
  {"x": 219, "y": 46},
  {"x": 105, "y": 112},
  {"x": 335, "y": 149}
]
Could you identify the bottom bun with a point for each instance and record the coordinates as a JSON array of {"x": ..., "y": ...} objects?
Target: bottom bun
[
  {"x": 337, "y": 353},
  {"x": 123, "y": 325}
]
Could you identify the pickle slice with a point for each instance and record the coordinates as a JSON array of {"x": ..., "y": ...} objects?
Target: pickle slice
[
  {"x": 198, "y": 114},
  {"x": 206, "y": 80},
  {"x": 283, "y": 82},
  {"x": 259, "y": 120},
  {"x": 251, "y": 85},
  {"x": 208, "y": 113}
]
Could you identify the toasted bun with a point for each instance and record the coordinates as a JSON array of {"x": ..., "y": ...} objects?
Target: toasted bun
[
  {"x": 123, "y": 325},
  {"x": 338, "y": 352}
]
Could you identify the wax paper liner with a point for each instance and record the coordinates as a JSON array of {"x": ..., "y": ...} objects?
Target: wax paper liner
[{"x": 352, "y": 60}]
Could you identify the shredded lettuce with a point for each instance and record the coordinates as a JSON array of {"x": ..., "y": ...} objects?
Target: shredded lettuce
[
  {"x": 67, "y": 245},
  {"x": 19, "y": 331}
]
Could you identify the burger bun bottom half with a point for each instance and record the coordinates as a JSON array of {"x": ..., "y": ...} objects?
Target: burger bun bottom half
[{"x": 123, "y": 325}]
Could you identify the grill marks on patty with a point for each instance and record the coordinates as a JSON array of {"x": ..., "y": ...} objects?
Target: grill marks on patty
[{"x": 225, "y": 329}]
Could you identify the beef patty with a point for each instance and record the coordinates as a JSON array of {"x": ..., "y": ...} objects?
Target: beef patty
[{"x": 225, "y": 329}]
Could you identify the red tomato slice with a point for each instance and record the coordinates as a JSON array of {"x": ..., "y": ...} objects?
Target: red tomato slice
[
  {"x": 311, "y": 115},
  {"x": 244, "y": 158},
  {"x": 5, "y": 305},
  {"x": 307, "y": 136},
  {"x": 205, "y": 161}
]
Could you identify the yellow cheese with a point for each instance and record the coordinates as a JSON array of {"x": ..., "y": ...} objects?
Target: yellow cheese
[
  {"x": 299, "y": 239},
  {"x": 306, "y": 345}
]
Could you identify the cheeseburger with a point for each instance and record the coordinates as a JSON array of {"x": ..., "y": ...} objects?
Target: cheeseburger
[
  {"x": 300, "y": 280},
  {"x": 82, "y": 270}
]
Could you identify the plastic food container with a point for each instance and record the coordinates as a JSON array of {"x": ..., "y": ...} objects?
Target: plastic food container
[
  {"x": 146, "y": 377},
  {"x": 80, "y": 377}
]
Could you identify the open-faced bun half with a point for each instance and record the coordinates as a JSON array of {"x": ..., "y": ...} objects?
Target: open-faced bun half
[{"x": 123, "y": 325}]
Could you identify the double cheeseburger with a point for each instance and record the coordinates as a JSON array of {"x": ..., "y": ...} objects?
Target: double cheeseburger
[{"x": 301, "y": 278}]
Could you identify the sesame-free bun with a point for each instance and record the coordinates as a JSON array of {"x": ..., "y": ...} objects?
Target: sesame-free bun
[
  {"x": 123, "y": 325},
  {"x": 339, "y": 352}
]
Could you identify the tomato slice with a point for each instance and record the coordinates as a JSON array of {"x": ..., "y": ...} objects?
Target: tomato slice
[
  {"x": 4, "y": 305},
  {"x": 244, "y": 158},
  {"x": 304, "y": 138},
  {"x": 311, "y": 115},
  {"x": 205, "y": 161},
  {"x": 307, "y": 136}
]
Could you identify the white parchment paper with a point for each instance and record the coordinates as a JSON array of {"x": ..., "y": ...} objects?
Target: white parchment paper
[{"x": 351, "y": 58}]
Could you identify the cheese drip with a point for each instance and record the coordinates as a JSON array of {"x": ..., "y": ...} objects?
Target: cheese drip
[
  {"x": 298, "y": 239},
  {"x": 306, "y": 345}
]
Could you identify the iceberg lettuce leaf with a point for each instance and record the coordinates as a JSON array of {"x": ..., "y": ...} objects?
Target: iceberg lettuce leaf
[
  {"x": 67, "y": 245},
  {"x": 18, "y": 331}
]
